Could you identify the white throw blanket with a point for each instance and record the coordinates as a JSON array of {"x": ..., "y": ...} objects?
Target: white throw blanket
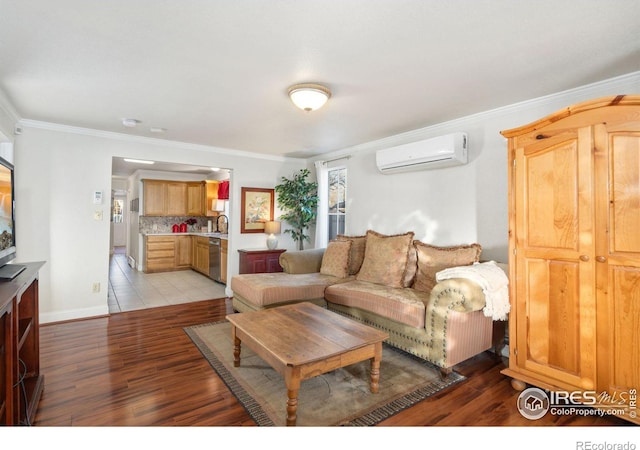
[{"x": 494, "y": 283}]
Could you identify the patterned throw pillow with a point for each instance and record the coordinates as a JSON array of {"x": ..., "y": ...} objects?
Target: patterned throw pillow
[
  {"x": 358, "y": 246},
  {"x": 385, "y": 259},
  {"x": 432, "y": 260},
  {"x": 335, "y": 260}
]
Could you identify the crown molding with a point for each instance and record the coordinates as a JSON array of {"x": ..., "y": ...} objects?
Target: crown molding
[{"x": 147, "y": 140}]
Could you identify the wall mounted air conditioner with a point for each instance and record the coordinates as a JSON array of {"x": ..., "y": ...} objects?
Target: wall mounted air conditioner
[{"x": 441, "y": 151}]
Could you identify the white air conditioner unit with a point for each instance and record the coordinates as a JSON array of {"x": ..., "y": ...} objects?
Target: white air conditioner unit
[{"x": 441, "y": 151}]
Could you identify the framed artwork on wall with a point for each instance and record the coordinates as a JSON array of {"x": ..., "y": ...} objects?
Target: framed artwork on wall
[{"x": 256, "y": 209}]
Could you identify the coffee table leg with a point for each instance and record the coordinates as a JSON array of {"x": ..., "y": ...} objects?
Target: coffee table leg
[
  {"x": 236, "y": 347},
  {"x": 292, "y": 380},
  {"x": 375, "y": 368}
]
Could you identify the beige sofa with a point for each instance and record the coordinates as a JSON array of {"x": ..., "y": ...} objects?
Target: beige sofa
[{"x": 388, "y": 282}]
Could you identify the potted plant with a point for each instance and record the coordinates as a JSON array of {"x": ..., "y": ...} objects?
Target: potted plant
[{"x": 298, "y": 198}]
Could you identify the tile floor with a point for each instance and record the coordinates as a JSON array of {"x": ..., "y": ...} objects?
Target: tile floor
[{"x": 130, "y": 289}]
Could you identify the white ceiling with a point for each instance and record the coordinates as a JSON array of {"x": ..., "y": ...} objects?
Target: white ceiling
[{"x": 217, "y": 72}]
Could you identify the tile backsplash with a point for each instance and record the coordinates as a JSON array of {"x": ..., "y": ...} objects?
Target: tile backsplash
[{"x": 164, "y": 224}]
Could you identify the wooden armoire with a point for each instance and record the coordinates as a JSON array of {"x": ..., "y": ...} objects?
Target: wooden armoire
[{"x": 574, "y": 250}]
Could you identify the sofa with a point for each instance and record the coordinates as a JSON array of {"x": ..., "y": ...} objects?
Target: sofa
[{"x": 390, "y": 282}]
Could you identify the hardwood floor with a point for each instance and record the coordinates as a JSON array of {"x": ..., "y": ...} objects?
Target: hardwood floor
[{"x": 139, "y": 368}]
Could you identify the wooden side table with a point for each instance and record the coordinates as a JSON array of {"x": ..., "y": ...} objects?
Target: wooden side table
[{"x": 260, "y": 260}]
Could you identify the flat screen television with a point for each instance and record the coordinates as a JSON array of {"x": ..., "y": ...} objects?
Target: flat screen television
[{"x": 7, "y": 222}]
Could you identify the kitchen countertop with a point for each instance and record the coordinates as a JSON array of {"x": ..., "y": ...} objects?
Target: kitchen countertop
[{"x": 189, "y": 233}]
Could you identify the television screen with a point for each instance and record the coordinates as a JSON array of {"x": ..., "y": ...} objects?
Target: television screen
[{"x": 7, "y": 224}]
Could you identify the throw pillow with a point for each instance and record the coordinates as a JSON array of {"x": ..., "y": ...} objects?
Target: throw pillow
[
  {"x": 357, "y": 251},
  {"x": 335, "y": 260},
  {"x": 385, "y": 259},
  {"x": 432, "y": 259},
  {"x": 412, "y": 267}
]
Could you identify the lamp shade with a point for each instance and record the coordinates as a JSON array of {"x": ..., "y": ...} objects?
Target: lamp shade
[
  {"x": 309, "y": 96},
  {"x": 272, "y": 227},
  {"x": 217, "y": 205}
]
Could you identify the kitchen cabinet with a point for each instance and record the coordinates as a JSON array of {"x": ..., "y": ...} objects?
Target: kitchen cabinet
[
  {"x": 183, "y": 246},
  {"x": 574, "y": 250},
  {"x": 154, "y": 197},
  {"x": 173, "y": 198},
  {"x": 160, "y": 253},
  {"x": 176, "y": 199},
  {"x": 260, "y": 261},
  {"x": 201, "y": 254},
  {"x": 196, "y": 198},
  {"x": 211, "y": 192},
  {"x": 224, "y": 245}
]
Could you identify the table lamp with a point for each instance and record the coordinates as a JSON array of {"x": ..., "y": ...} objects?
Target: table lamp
[{"x": 272, "y": 228}]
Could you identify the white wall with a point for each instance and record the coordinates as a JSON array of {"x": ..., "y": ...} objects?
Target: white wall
[
  {"x": 58, "y": 168},
  {"x": 460, "y": 204},
  {"x": 57, "y": 171}
]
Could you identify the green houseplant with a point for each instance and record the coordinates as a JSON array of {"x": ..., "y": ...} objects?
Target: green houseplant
[{"x": 298, "y": 198}]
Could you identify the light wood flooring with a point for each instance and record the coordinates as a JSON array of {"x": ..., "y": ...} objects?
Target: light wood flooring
[{"x": 139, "y": 368}]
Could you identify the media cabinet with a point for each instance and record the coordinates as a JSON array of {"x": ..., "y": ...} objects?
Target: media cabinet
[{"x": 21, "y": 382}]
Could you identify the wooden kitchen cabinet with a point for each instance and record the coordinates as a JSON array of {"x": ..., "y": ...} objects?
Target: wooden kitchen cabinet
[
  {"x": 201, "y": 254},
  {"x": 574, "y": 250},
  {"x": 176, "y": 200},
  {"x": 154, "y": 197},
  {"x": 183, "y": 246},
  {"x": 224, "y": 245},
  {"x": 260, "y": 261},
  {"x": 196, "y": 198},
  {"x": 160, "y": 253},
  {"x": 165, "y": 198}
]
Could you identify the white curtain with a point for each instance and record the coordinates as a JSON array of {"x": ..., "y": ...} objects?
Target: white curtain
[{"x": 322, "y": 226}]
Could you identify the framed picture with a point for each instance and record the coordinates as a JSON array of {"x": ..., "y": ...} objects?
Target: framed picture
[{"x": 257, "y": 209}]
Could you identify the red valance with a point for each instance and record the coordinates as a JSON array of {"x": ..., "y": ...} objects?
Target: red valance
[{"x": 223, "y": 190}]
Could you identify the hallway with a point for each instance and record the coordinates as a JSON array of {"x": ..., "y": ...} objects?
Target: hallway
[{"x": 130, "y": 289}]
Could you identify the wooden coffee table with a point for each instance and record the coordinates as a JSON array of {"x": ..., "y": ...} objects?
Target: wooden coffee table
[{"x": 303, "y": 340}]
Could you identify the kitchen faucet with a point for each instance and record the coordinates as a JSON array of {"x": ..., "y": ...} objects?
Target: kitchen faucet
[{"x": 218, "y": 222}]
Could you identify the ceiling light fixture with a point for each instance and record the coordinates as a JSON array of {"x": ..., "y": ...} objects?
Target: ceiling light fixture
[
  {"x": 309, "y": 96},
  {"x": 138, "y": 161},
  {"x": 130, "y": 123},
  {"x": 157, "y": 130}
]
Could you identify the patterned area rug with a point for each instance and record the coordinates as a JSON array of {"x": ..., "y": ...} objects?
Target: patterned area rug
[{"x": 340, "y": 397}]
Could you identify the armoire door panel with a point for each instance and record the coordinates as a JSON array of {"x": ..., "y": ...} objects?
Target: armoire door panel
[
  {"x": 624, "y": 327},
  {"x": 551, "y": 196},
  {"x": 554, "y": 337},
  {"x": 624, "y": 162}
]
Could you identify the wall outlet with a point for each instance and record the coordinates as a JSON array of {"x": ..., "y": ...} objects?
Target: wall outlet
[
  {"x": 95, "y": 287},
  {"x": 97, "y": 214}
]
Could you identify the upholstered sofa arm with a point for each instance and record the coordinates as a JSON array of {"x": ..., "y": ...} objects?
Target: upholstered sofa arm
[
  {"x": 457, "y": 324},
  {"x": 302, "y": 261},
  {"x": 458, "y": 294}
]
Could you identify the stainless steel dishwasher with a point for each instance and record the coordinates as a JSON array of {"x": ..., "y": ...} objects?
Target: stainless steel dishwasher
[{"x": 214, "y": 259}]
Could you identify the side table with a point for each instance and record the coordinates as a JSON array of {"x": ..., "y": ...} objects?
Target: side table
[{"x": 260, "y": 260}]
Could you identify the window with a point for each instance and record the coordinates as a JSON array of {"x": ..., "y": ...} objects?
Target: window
[
  {"x": 337, "y": 198},
  {"x": 117, "y": 213}
]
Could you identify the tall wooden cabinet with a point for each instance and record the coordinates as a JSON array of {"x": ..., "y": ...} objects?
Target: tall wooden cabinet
[{"x": 574, "y": 242}]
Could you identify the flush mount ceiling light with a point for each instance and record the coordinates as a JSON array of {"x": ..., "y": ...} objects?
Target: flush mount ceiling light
[
  {"x": 309, "y": 96},
  {"x": 130, "y": 123}
]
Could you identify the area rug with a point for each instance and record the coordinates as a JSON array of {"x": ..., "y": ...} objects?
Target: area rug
[{"x": 340, "y": 397}]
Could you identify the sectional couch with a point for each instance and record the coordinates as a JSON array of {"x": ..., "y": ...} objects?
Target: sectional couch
[{"x": 388, "y": 282}]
